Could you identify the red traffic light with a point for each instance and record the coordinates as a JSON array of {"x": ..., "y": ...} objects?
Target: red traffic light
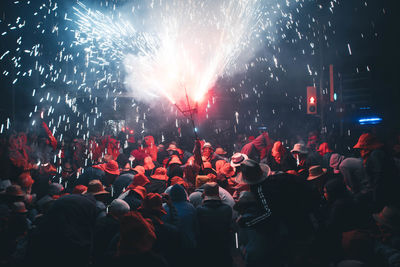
[{"x": 312, "y": 100}]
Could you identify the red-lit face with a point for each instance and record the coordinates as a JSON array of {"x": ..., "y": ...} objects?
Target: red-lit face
[{"x": 207, "y": 152}]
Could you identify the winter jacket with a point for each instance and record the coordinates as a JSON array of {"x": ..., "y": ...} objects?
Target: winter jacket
[
  {"x": 196, "y": 197},
  {"x": 186, "y": 213},
  {"x": 353, "y": 174},
  {"x": 214, "y": 219}
]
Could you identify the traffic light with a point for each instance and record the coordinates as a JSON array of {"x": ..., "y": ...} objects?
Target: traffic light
[{"x": 311, "y": 100}]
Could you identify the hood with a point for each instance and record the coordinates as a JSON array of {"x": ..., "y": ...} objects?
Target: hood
[
  {"x": 177, "y": 193},
  {"x": 324, "y": 148},
  {"x": 149, "y": 140},
  {"x": 278, "y": 151},
  {"x": 262, "y": 141}
]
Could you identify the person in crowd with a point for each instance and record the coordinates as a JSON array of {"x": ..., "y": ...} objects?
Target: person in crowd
[
  {"x": 325, "y": 152},
  {"x": 317, "y": 178},
  {"x": 279, "y": 159},
  {"x": 135, "y": 192},
  {"x": 150, "y": 166},
  {"x": 126, "y": 175},
  {"x": 286, "y": 201},
  {"x": 214, "y": 219},
  {"x": 380, "y": 170},
  {"x": 168, "y": 243},
  {"x": 158, "y": 181},
  {"x": 150, "y": 147},
  {"x": 135, "y": 245},
  {"x": 105, "y": 172},
  {"x": 102, "y": 197},
  {"x": 65, "y": 233},
  {"x": 186, "y": 215},
  {"x": 174, "y": 167},
  {"x": 353, "y": 174},
  {"x": 334, "y": 162},
  {"x": 300, "y": 153},
  {"x": 258, "y": 244},
  {"x": 106, "y": 228},
  {"x": 67, "y": 177},
  {"x": 220, "y": 153},
  {"x": 197, "y": 197},
  {"x": 258, "y": 148}
]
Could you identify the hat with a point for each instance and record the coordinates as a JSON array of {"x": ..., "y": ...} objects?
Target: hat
[
  {"x": 175, "y": 160},
  {"x": 334, "y": 162},
  {"x": 95, "y": 187},
  {"x": 324, "y": 147},
  {"x": 4, "y": 184},
  {"x": 368, "y": 141},
  {"x": 140, "y": 179},
  {"x": 25, "y": 180},
  {"x": 202, "y": 179},
  {"x": 55, "y": 189},
  {"x": 388, "y": 216},
  {"x": 14, "y": 193},
  {"x": 136, "y": 234},
  {"x": 315, "y": 172},
  {"x": 211, "y": 191},
  {"x": 140, "y": 190},
  {"x": 299, "y": 148},
  {"x": 153, "y": 203},
  {"x": 237, "y": 159},
  {"x": 180, "y": 181},
  {"x": 207, "y": 145},
  {"x": 160, "y": 174},
  {"x": 79, "y": 189},
  {"x": 227, "y": 170},
  {"x": 112, "y": 167},
  {"x": 139, "y": 169},
  {"x": 220, "y": 151},
  {"x": 253, "y": 172},
  {"x": 119, "y": 206},
  {"x": 19, "y": 207}
]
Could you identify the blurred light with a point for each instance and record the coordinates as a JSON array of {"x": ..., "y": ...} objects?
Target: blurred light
[
  {"x": 195, "y": 129},
  {"x": 372, "y": 120},
  {"x": 312, "y": 100},
  {"x": 335, "y": 96}
]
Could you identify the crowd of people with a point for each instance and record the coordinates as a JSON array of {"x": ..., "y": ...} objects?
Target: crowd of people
[{"x": 112, "y": 201}]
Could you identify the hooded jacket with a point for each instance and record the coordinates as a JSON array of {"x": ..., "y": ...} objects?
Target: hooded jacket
[
  {"x": 258, "y": 148},
  {"x": 186, "y": 213},
  {"x": 67, "y": 229},
  {"x": 151, "y": 148}
]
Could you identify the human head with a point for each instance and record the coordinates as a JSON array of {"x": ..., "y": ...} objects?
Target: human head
[
  {"x": 211, "y": 191},
  {"x": 118, "y": 208}
]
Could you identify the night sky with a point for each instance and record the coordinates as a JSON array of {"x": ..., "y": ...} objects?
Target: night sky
[{"x": 267, "y": 88}]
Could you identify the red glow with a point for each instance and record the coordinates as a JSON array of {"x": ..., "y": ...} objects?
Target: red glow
[
  {"x": 312, "y": 100},
  {"x": 131, "y": 131}
]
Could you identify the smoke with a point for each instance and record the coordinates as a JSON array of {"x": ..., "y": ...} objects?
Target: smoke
[{"x": 188, "y": 45}]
